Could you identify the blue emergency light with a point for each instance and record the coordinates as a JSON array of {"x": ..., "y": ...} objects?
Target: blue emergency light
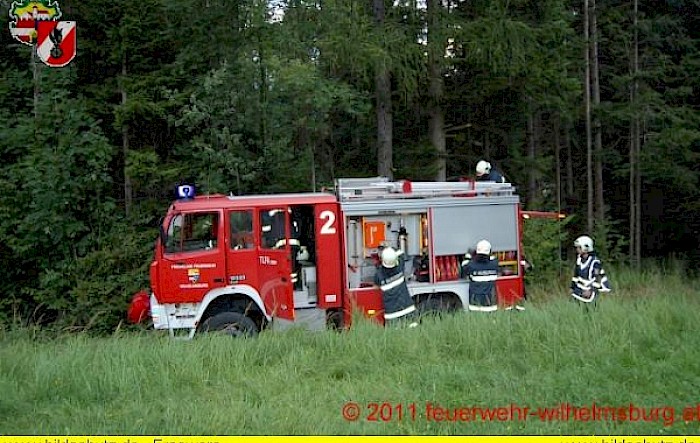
[{"x": 185, "y": 192}]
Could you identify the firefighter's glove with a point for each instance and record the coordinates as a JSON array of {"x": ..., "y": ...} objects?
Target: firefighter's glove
[{"x": 596, "y": 285}]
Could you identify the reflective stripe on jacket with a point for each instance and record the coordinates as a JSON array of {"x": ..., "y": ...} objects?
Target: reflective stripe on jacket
[
  {"x": 589, "y": 279},
  {"x": 482, "y": 274},
  {"x": 397, "y": 299}
]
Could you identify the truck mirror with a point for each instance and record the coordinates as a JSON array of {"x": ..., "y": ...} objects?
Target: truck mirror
[{"x": 161, "y": 232}]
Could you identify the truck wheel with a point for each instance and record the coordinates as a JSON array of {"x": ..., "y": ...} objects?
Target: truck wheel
[
  {"x": 433, "y": 306},
  {"x": 234, "y": 324},
  {"x": 334, "y": 320}
]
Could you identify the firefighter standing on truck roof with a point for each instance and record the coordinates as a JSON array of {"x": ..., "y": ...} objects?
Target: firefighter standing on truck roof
[
  {"x": 484, "y": 173},
  {"x": 398, "y": 304},
  {"x": 482, "y": 272},
  {"x": 589, "y": 276}
]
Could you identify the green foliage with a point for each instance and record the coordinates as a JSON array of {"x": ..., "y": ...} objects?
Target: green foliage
[
  {"x": 222, "y": 147},
  {"x": 544, "y": 243},
  {"x": 95, "y": 289},
  {"x": 610, "y": 245},
  {"x": 501, "y": 44},
  {"x": 62, "y": 179},
  {"x": 417, "y": 161},
  {"x": 58, "y": 218},
  {"x": 245, "y": 137}
]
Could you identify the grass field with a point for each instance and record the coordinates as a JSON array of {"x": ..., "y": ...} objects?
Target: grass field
[{"x": 638, "y": 348}]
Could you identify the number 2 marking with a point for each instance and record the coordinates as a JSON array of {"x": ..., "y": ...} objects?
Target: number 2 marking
[{"x": 327, "y": 227}]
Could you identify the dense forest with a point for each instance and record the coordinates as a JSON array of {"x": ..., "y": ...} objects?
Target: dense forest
[{"x": 591, "y": 107}]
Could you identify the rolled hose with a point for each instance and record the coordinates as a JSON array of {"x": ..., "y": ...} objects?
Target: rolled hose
[{"x": 139, "y": 307}]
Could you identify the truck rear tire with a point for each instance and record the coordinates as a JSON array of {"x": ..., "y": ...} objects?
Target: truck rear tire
[
  {"x": 234, "y": 324},
  {"x": 436, "y": 306},
  {"x": 334, "y": 320}
]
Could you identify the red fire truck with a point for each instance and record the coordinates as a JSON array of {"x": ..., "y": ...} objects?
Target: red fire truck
[{"x": 245, "y": 263}]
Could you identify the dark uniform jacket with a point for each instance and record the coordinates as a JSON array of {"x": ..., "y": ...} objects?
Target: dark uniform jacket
[
  {"x": 493, "y": 176},
  {"x": 397, "y": 300},
  {"x": 482, "y": 273},
  {"x": 589, "y": 279}
]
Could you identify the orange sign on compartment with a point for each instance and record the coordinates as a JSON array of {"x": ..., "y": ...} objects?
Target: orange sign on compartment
[{"x": 374, "y": 233}]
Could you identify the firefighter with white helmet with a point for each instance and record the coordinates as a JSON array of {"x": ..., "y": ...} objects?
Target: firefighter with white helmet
[
  {"x": 398, "y": 303},
  {"x": 485, "y": 173},
  {"x": 589, "y": 276},
  {"x": 481, "y": 271}
]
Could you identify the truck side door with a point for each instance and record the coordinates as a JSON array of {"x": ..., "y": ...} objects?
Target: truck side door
[
  {"x": 242, "y": 262},
  {"x": 193, "y": 262},
  {"x": 274, "y": 261},
  {"x": 330, "y": 258}
]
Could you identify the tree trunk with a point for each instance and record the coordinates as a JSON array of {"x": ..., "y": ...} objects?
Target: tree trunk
[
  {"x": 128, "y": 191},
  {"x": 437, "y": 139},
  {"x": 632, "y": 181},
  {"x": 569, "y": 162},
  {"x": 589, "y": 144},
  {"x": 305, "y": 141},
  {"x": 436, "y": 124},
  {"x": 638, "y": 143},
  {"x": 557, "y": 158},
  {"x": 597, "y": 127},
  {"x": 382, "y": 80},
  {"x": 532, "y": 156},
  {"x": 262, "y": 72},
  {"x": 638, "y": 190},
  {"x": 487, "y": 133},
  {"x": 37, "y": 82}
]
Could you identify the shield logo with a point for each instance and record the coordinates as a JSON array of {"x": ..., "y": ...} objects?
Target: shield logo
[
  {"x": 193, "y": 275},
  {"x": 56, "y": 43},
  {"x": 25, "y": 16}
]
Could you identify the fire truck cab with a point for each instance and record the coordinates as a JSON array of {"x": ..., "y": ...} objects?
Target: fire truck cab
[{"x": 245, "y": 263}]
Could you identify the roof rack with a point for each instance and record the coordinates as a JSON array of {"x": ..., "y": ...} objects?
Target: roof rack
[{"x": 348, "y": 189}]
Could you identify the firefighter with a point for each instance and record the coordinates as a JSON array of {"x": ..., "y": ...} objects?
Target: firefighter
[
  {"x": 589, "y": 276},
  {"x": 398, "y": 303},
  {"x": 482, "y": 271},
  {"x": 297, "y": 246},
  {"x": 484, "y": 173}
]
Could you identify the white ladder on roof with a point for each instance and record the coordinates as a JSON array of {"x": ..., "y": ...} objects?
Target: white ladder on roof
[{"x": 380, "y": 187}]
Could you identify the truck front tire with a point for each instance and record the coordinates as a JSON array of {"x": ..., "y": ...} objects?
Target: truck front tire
[{"x": 234, "y": 324}]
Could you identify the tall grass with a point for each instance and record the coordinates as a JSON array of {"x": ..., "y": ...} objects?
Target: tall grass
[{"x": 637, "y": 347}]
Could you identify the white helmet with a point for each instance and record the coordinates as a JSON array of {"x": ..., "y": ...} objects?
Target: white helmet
[
  {"x": 585, "y": 243},
  {"x": 483, "y": 247},
  {"x": 483, "y": 167},
  {"x": 303, "y": 254},
  {"x": 390, "y": 258}
]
